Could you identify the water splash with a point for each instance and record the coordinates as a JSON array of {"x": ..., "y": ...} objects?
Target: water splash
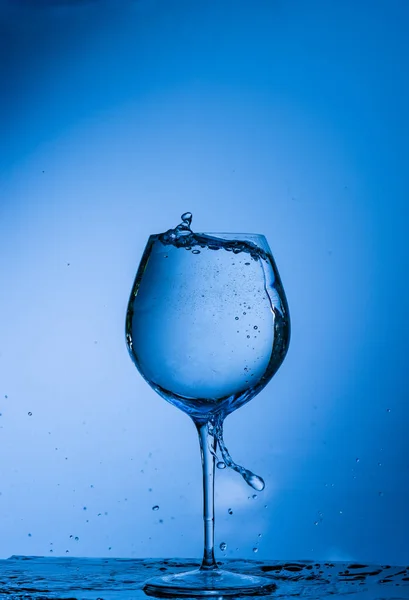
[
  {"x": 182, "y": 236},
  {"x": 253, "y": 480}
]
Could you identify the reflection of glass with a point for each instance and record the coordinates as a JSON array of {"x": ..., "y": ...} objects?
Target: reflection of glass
[{"x": 207, "y": 326}]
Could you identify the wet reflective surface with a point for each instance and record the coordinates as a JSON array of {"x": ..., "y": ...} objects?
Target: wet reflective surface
[{"x": 26, "y": 578}]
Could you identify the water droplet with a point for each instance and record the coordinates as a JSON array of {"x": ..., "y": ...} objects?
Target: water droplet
[
  {"x": 357, "y": 460},
  {"x": 195, "y": 251},
  {"x": 380, "y": 493},
  {"x": 6, "y": 396},
  {"x": 221, "y": 465},
  {"x": 255, "y": 549},
  {"x": 244, "y": 313},
  {"x": 254, "y": 496},
  {"x": 76, "y": 538},
  {"x": 230, "y": 511},
  {"x": 379, "y": 464},
  {"x": 187, "y": 218},
  {"x": 255, "y": 327},
  {"x": 260, "y": 535},
  {"x": 340, "y": 512},
  {"x": 315, "y": 522},
  {"x": 237, "y": 318},
  {"x": 156, "y": 507},
  {"x": 223, "y": 546},
  {"x": 247, "y": 264},
  {"x": 30, "y": 414},
  {"x": 84, "y": 508},
  {"x": 71, "y": 536},
  {"x": 29, "y": 535},
  {"x": 266, "y": 506},
  {"x": 388, "y": 410}
]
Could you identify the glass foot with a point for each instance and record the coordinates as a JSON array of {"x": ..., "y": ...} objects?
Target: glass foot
[{"x": 217, "y": 583}]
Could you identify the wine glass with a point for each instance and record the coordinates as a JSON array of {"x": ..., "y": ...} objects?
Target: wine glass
[{"x": 207, "y": 326}]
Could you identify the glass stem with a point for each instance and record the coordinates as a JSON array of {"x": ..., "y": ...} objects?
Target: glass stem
[{"x": 207, "y": 442}]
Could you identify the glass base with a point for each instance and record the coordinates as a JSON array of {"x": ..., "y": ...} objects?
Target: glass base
[{"x": 216, "y": 583}]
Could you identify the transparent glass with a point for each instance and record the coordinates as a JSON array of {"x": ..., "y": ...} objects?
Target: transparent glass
[{"x": 207, "y": 326}]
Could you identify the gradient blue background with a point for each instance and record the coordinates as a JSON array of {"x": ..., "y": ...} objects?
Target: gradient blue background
[{"x": 284, "y": 117}]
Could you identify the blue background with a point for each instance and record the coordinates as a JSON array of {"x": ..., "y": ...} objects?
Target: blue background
[{"x": 284, "y": 117}]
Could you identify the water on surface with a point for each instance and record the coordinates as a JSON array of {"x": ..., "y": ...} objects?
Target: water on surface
[{"x": 39, "y": 578}]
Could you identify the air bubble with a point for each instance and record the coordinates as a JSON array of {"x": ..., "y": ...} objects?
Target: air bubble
[{"x": 223, "y": 546}]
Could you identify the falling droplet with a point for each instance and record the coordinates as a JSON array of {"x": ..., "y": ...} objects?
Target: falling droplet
[
  {"x": 30, "y": 414},
  {"x": 388, "y": 410},
  {"x": 253, "y": 480},
  {"x": 254, "y": 496},
  {"x": 230, "y": 511},
  {"x": 223, "y": 546},
  {"x": 255, "y": 549},
  {"x": 255, "y": 327},
  {"x": 221, "y": 465},
  {"x": 156, "y": 507},
  {"x": 357, "y": 460},
  {"x": 315, "y": 522},
  {"x": 76, "y": 538},
  {"x": 260, "y": 535}
]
